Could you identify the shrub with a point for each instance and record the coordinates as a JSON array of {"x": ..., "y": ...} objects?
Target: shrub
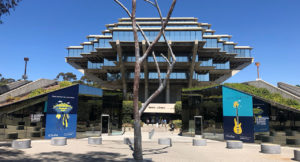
[
  {"x": 63, "y": 84},
  {"x": 36, "y": 92},
  {"x": 127, "y": 111},
  {"x": 178, "y": 107},
  {"x": 177, "y": 123}
]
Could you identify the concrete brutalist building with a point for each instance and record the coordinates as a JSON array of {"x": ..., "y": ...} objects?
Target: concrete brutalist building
[{"x": 203, "y": 57}]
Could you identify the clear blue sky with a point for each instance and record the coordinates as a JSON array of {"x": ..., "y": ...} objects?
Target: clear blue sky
[{"x": 41, "y": 30}]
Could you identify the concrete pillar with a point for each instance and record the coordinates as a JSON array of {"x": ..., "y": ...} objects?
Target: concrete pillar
[
  {"x": 122, "y": 69},
  {"x": 195, "y": 50},
  {"x": 21, "y": 143},
  {"x": 168, "y": 81},
  {"x": 145, "y": 71}
]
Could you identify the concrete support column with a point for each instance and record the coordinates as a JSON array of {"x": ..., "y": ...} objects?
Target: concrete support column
[
  {"x": 122, "y": 69},
  {"x": 145, "y": 72},
  {"x": 168, "y": 82},
  {"x": 195, "y": 50}
]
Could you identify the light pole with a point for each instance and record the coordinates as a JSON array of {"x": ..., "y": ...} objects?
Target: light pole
[
  {"x": 257, "y": 65},
  {"x": 26, "y": 59}
]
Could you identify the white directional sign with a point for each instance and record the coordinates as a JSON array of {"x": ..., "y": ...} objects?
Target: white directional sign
[{"x": 160, "y": 108}]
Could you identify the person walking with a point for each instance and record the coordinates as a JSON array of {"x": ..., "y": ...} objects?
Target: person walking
[{"x": 172, "y": 127}]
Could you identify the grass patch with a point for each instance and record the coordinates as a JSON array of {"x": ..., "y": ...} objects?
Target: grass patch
[{"x": 264, "y": 93}]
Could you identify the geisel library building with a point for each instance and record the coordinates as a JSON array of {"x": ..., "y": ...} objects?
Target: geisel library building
[{"x": 202, "y": 58}]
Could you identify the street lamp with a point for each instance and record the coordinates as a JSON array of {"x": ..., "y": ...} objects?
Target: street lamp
[
  {"x": 26, "y": 59},
  {"x": 257, "y": 65}
]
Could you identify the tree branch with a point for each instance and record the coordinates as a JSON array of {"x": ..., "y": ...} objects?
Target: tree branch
[
  {"x": 160, "y": 32},
  {"x": 165, "y": 58},
  {"x": 170, "y": 67},
  {"x": 150, "y": 2},
  {"x": 127, "y": 11}
]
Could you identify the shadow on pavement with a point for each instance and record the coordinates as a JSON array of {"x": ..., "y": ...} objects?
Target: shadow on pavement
[
  {"x": 7, "y": 154},
  {"x": 155, "y": 151}
]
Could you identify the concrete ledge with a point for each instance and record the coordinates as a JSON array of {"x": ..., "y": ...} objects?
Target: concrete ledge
[
  {"x": 273, "y": 133},
  {"x": 21, "y": 143},
  {"x": 35, "y": 134},
  {"x": 297, "y": 155},
  {"x": 165, "y": 141},
  {"x": 95, "y": 140},
  {"x": 199, "y": 142},
  {"x": 3, "y": 126},
  {"x": 293, "y": 141},
  {"x": 20, "y": 127},
  {"x": 128, "y": 141},
  {"x": 232, "y": 144},
  {"x": 258, "y": 136},
  {"x": 37, "y": 128},
  {"x": 268, "y": 148},
  {"x": 290, "y": 133},
  {"x": 12, "y": 135},
  {"x": 58, "y": 141},
  {"x": 267, "y": 138}
]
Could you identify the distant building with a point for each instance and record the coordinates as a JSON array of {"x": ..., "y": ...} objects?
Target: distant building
[{"x": 203, "y": 57}]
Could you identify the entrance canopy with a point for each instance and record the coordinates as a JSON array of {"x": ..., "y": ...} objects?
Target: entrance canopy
[{"x": 160, "y": 108}]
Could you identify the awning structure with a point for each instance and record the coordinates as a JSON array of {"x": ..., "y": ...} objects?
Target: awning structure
[{"x": 160, "y": 108}]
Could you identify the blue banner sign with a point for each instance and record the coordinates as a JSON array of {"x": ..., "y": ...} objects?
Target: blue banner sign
[
  {"x": 57, "y": 128},
  {"x": 61, "y": 119},
  {"x": 261, "y": 115},
  {"x": 237, "y": 115}
]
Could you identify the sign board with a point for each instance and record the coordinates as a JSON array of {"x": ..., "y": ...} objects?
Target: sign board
[
  {"x": 160, "y": 108},
  {"x": 237, "y": 115},
  {"x": 261, "y": 115},
  {"x": 61, "y": 119},
  {"x": 36, "y": 117}
]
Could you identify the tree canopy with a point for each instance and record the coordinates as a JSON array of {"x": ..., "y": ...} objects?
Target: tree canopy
[
  {"x": 6, "y": 6},
  {"x": 4, "y": 81}
]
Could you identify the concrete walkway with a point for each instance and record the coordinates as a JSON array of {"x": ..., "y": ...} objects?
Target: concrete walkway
[{"x": 113, "y": 149}]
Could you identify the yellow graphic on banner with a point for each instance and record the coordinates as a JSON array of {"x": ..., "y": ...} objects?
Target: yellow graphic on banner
[
  {"x": 63, "y": 110},
  {"x": 237, "y": 129}
]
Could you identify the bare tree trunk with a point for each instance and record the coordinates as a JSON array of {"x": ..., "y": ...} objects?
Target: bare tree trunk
[{"x": 138, "y": 154}]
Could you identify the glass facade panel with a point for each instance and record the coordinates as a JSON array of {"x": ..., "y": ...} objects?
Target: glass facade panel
[
  {"x": 87, "y": 48},
  {"x": 225, "y": 65},
  {"x": 205, "y": 27},
  {"x": 104, "y": 43},
  {"x": 201, "y": 77},
  {"x": 229, "y": 48},
  {"x": 220, "y": 45},
  {"x": 113, "y": 77},
  {"x": 208, "y": 33},
  {"x": 129, "y": 58},
  {"x": 174, "y": 75},
  {"x": 28, "y": 122},
  {"x": 75, "y": 52},
  {"x": 225, "y": 39},
  {"x": 206, "y": 62},
  {"x": 206, "y": 103},
  {"x": 243, "y": 52},
  {"x": 131, "y": 75},
  {"x": 90, "y": 39},
  {"x": 94, "y": 65},
  {"x": 108, "y": 63},
  {"x": 211, "y": 43},
  {"x": 151, "y": 35}
]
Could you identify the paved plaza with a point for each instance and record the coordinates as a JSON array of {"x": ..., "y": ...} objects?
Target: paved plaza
[{"x": 113, "y": 149}]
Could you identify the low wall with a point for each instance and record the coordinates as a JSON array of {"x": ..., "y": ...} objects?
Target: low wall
[
  {"x": 41, "y": 83},
  {"x": 12, "y": 86},
  {"x": 289, "y": 88},
  {"x": 272, "y": 89}
]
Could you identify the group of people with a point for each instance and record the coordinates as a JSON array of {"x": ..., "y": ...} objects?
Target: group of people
[{"x": 159, "y": 122}]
